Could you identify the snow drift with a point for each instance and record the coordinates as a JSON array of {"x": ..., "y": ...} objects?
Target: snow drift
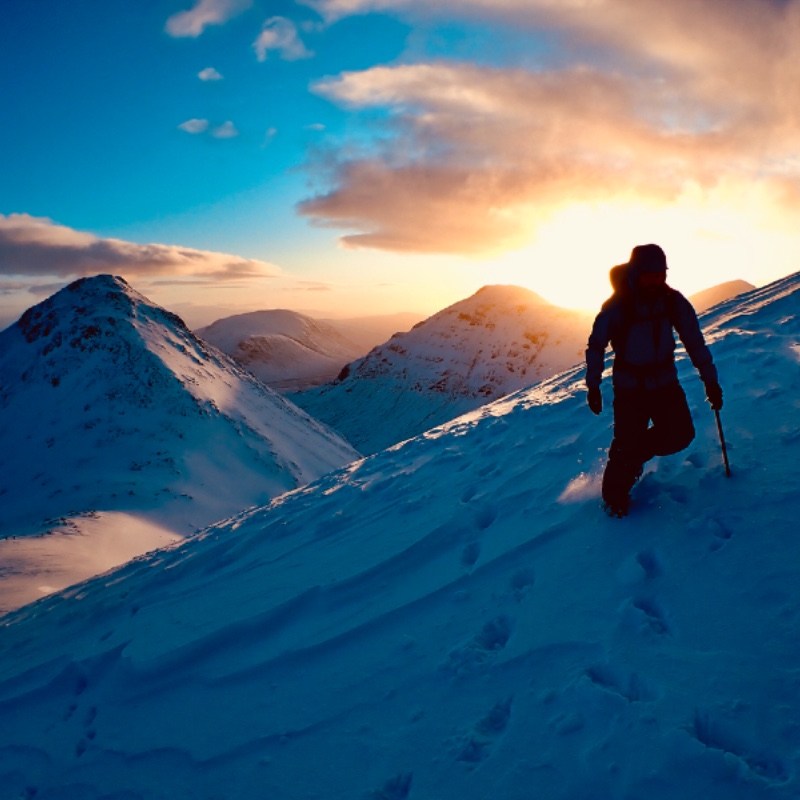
[{"x": 454, "y": 618}]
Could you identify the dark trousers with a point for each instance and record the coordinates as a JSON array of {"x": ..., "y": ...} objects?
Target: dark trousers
[{"x": 636, "y": 440}]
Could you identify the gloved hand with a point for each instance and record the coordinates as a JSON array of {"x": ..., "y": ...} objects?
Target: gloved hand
[
  {"x": 714, "y": 395},
  {"x": 595, "y": 399}
]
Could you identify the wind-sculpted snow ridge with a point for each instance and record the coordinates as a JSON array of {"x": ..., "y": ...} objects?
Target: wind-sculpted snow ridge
[
  {"x": 112, "y": 413},
  {"x": 501, "y": 339},
  {"x": 454, "y": 618}
]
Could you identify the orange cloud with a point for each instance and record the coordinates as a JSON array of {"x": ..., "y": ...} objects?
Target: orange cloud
[
  {"x": 683, "y": 93},
  {"x": 38, "y": 247}
]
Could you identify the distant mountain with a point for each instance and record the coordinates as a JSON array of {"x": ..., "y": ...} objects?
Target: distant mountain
[
  {"x": 501, "y": 339},
  {"x": 283, "y": 349},
  {"x": 718, "y": 294},
  {"x": 110, "y": 406}
]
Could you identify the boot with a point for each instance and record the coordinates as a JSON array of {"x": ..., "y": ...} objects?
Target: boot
[{"x": 622, "y": 471}]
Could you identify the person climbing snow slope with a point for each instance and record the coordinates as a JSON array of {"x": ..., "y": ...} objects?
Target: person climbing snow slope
[{"x": 651, "y": 415}]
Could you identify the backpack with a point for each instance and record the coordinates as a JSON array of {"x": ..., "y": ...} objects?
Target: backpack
[{"x": 624, "y": 296}]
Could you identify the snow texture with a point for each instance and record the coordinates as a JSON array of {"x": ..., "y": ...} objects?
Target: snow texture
[
  {"x": 501, "y": 339},
  {"x": 110, "y": 406},
  {"x": 454, "y": 619}
]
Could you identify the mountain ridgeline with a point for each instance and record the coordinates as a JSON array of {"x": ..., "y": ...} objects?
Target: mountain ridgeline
[{"x": 499, "y": 340}]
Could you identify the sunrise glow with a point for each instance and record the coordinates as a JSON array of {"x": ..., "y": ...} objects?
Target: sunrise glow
[{"x": 395, "y": 155}]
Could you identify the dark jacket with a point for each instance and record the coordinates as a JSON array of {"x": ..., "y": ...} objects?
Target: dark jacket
[{"x": 640, "y": 331}]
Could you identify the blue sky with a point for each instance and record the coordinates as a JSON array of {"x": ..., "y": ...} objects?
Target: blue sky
[{"x": 356, "y": 156}]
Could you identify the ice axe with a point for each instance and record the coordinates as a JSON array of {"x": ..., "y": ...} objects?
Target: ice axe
[{"x": 722, "y": 443}]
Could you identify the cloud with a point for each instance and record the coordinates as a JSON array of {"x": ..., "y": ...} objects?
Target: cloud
[
  {"x": 194, "y": 126},
  {"x": 634, "y": 106},
  {"x": 37, "y": 247},
  {"x": 280, "y": 34},
  {"x": 225, "y": 131},
  {"x": 209, "y": 74},
  {"x": 204, "y": 13}
]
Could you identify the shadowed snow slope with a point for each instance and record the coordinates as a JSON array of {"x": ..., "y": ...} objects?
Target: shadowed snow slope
[
  {"x": 501, "y": 339},
  {"x": 109, "y": 404},
  {"x": 454, "y": 618},
  {"x": 283, "y": 349}
]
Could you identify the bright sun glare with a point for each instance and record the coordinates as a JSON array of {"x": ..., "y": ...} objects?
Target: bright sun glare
[{"x": 568, "y": 258}]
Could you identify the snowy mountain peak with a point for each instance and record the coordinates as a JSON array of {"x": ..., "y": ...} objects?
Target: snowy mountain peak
[
  {"x": 102, "y": 297},
  {"x": 507, "y": 294},
  {"x": 499, "y": 340},
  {"x": 109, "y": 404}
]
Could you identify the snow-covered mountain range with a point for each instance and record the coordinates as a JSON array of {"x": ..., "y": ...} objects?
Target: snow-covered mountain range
[
  {"x": 289, "y": 351},
  {"x": 496, "y": 341},
  {"x": 454, "y": 618},
  {"x": 117, "y": 422},
  {"x": 283, "y": 349}
]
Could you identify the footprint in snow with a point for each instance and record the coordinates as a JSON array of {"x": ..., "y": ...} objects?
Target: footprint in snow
[
  {"x": 720, "y": 534},
  {"x": 654, "y": 617},
  {"x": 520, "y": 582},
  {"x": 727, "y": 738},
  {"x": 476, "y": 745},
  {"x": 486, "y": 517},
  {"x": 396, "y": 788},
  {"x": 627, "y": 685},
  {"x": 645, "y": 615},
  {"x": 469, "y": 493},
  {"x": 476, "y": 653},
  {"x": 644, "y": 566},
  {"x": 651, "y": 564},
  {"x": 470, "y": 554}
]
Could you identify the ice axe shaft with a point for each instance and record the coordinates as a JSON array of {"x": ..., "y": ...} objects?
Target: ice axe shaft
[{"x": 722, "y": 443}]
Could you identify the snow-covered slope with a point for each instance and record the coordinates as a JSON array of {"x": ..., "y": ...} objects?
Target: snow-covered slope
[
  {"x": 497, "y": 341},
  {"x": 109, "y": 404},
  {"x": 283, "y": 349},
  {"x": 719, "y": 294},
  {"x": 454, "y": 618}
]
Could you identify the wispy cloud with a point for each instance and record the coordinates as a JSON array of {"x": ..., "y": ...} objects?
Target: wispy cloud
[
  {"x": 194, "y": 126},
  {"x": 37, "y": 247},
  {"x": 203, "y": 13},
  {"x": 209, "y": 74},
  {"x": 475, "y": 155},
  {"x": 225, "y": 131},
  {"x": 280, "y": 35}
]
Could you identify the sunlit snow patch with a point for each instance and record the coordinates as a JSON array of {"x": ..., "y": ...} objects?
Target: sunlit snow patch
[{"x": 75, "y": 550}]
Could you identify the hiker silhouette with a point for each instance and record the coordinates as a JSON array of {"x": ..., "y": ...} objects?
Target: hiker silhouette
[{"x": 651, "y": 415}]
